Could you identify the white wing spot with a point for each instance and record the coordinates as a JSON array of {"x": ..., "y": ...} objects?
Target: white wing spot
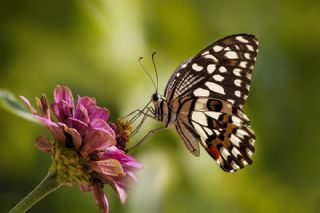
[
  {"x": 222, "y": 69},
  {"x": 196, "y": 67},
  {"x": 237, "y": 121},
  {"x": 247, "y": 55},
  {"x": 218, "y": 78},
  {"x": 234, "y": 165},
  {"x": 245, "y": 97},
  {"x": 237, "y": 47},
  {"x": 217, "y": 48},
  {"x": 235, "y": 152},
  {"x": 178, "y": 74},
  {"x": 231, "y": 101},
  {"x": 199, "y": 130},
  {"x": 209, "y": 131},
  {"x": 248, "y": 87},
  {"x": 241, "y": 133},
  {"x": 250, "y": 47},
  {"x": 205, "y": 53},
  {"x": 216, "y": 132},
  {"x": 249, "y": 76},
  {"x": 241, "y": 39},
  {"x": 237, "y": 93},
  {"x": 243, "y": 64},
  {"x": 231, "y": 55},
  {"x": 201, "y": 104},
  {"x": 225, "y": 153},
  {"x": 246, "y": 118},
  {"x": 244, "y": 162},
  {"x": 248, "y": 151},
  {"x": 215, "y": 87},
  {"x": 237, "y": 71},
  {"x": 235, "y": 140},
  {"x": 227, "y": 49},
  {"x": 201, "y": 92},
  {"x": 220, "y": 161},
  {"x": 184, "y": 65},
  {"x": 251, "y": 142},
  {"x": 211, "y": 57},
  {"x": 199, "y": 117},
  {"x": 212, "y": 114},
  {"x": 211, "y": 68},
  {"x": 237, "y": 82}
]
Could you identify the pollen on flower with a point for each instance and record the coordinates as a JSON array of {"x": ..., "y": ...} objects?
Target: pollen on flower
[
  {"x": 123, "y": 131},
  {"x": 71, "y": 167}
]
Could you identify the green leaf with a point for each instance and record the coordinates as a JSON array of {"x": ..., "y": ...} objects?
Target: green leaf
[{"x": 10, "y": 103}]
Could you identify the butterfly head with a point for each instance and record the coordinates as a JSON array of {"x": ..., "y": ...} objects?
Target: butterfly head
[{"x": 155, "y": 97}]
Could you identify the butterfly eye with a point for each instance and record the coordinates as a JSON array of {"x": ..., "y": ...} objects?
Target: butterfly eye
[{"x": 155, "y": 97}]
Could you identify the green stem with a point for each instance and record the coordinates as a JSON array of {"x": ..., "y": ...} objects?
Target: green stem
[{"x": 47, "y": 185}]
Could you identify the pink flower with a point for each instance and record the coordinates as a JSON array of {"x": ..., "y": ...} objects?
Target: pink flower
[{"x": 84, "y": 147}]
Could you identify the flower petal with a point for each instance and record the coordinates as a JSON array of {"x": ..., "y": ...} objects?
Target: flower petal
[
  {"x": 76, "y": 137},
  {"x": 110, "y": 167},
  {"x": 82, "y": 114},
  {"x": 96, "y": 140},
  {"x": 101, "y": 124},
  {"x": 27, "y": 102},
  {"x": 62, "y": 110},
  {"x": 122, "y": 157},
  {"x": 44, "y": 144},
  {"x": 98, "y": 112},
  {"x": 133, "y": 175},
  {"x": 121, "y": 193},
  {"x": 53, "y": 127},
  {"x": 63, "y": 93},
  {"x": 78, "y": 125},
  {"x": 85, "y": 102},
  {"x": 43, "y": 106},
  {"x": 101, "y": 198}
]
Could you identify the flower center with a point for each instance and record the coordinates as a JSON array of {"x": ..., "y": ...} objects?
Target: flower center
[{"x": 71, "y": 168}]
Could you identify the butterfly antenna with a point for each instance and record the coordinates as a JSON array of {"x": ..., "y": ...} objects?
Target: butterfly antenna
[
  {"x": 155, "y": 68},
  {"x": 145, "y": 70}
]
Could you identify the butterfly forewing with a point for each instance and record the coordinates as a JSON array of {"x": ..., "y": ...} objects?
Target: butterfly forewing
[{"x": 222, "y": 70}]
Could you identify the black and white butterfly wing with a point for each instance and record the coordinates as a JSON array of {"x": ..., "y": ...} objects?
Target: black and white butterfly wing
[
  {"x": 208, "y": 92},
  {"x": 222, "y": 129},
  {"x": 222, "y": 70}
]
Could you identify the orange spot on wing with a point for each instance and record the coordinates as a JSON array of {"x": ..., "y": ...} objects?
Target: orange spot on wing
[{"x": 213, "y": 151}]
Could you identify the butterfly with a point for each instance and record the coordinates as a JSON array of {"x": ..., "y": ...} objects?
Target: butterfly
[{"x": 204, "y": 99}]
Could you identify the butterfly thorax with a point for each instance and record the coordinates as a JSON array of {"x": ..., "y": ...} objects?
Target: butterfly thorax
[{"x": 162, "y": 110}]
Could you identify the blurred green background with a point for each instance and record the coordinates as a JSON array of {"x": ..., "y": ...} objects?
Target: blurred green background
[{"x": 94, "y": 46}]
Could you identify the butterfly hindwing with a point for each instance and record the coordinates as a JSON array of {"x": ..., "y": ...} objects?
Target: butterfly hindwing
[
  {"x": 223, "y": 130},
  {"x": 190, "y": 138},
  {"x": 230, "y": 145},
  {"x": 222, "y": 70}
]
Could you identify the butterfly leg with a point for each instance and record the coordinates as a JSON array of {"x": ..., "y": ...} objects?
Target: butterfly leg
[
  {"x": 150, "y": 133},
  {"x": 136, "y": 113},
  {"x": 146, "y": 115}
]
